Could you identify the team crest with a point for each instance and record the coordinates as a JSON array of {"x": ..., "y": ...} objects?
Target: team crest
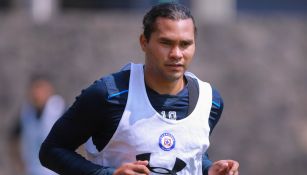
[{"x": 167, "y": 141}]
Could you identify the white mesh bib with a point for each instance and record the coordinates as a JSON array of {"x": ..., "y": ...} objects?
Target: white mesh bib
[{"x": 171, "y": 146}]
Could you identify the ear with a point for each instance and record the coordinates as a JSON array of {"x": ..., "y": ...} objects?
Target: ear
[{"x": 143, "y": 42}]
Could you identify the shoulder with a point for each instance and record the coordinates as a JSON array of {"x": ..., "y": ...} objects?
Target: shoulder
[
  {"x": 56, "y": 100},
  {"x": 117, "y": 82},
  {"x": 55, "y": 104},
  {"x": 216, "y": 108},
  {"x": 108, "y": 85},
  {"x": 216, "y": 96}
]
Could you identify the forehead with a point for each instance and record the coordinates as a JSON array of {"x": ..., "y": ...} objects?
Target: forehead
[{"x": 165, "y": 26}]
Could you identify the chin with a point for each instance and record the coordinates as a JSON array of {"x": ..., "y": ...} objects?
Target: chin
[{"x": 175, "y": 77}]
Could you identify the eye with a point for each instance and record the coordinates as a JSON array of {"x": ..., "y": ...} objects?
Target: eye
[
  {"x": 185, "y": 44},
  {"x": 167, "y": 43}
]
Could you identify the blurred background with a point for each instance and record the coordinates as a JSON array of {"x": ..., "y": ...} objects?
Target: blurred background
[{"x": 253, "y": 51}]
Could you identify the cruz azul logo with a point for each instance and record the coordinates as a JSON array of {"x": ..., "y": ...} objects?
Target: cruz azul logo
[{"x": 167, "y": 141}]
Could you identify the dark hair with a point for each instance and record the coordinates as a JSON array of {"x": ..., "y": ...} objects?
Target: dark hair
[
  {"x": 172, "y": 11},
  {"x": 36, "y": 77}
]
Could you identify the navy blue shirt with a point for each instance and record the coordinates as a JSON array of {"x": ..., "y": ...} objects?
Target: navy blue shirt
[{"x": 96, "y": 113}]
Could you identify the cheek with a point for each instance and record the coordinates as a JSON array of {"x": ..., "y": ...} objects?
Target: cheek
[
  {"x": 189, "y": 54},
  {"x": 159, "y": 53}
]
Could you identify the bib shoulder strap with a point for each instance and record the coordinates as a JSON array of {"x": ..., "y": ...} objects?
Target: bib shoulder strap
[{"x": 193, "y": 89}]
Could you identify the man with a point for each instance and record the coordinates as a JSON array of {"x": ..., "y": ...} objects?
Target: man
[
  {"x": 38, "y": 113},
  {"x": 145, "y": 119}
]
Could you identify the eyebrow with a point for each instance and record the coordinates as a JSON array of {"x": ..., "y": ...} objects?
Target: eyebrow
[
  {"x": 165, "y": 39},
  {"x": 188, "y": 41}
]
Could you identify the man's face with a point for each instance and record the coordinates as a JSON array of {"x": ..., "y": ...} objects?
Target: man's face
[
  {"x": 169, "y": 50},
  {"x": 40, "y": 91}
]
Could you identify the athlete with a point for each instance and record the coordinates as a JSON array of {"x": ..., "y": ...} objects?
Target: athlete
[
  {"x": 38, "y": 113},
  {"x": 152, "y": 118}
]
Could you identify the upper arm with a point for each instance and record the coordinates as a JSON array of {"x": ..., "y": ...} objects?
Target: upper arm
[
  {"x": 216, "y": 109},
  {"x": 78, "y": 123},
  {"x": 215, "y": 114}
]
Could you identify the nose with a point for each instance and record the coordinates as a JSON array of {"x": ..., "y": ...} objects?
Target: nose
[{"x": 175, "y": 53}]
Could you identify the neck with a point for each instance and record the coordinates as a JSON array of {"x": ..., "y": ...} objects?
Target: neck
[{"x": 165, "y": 87}]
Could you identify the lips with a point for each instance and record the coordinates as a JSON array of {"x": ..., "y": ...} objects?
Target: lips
[{"x": 175, "y": 66}]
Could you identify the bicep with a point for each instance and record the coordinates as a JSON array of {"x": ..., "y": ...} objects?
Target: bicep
[
  {"x": 80, "y": 121},
  {"x": 216, "y": 109}
]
